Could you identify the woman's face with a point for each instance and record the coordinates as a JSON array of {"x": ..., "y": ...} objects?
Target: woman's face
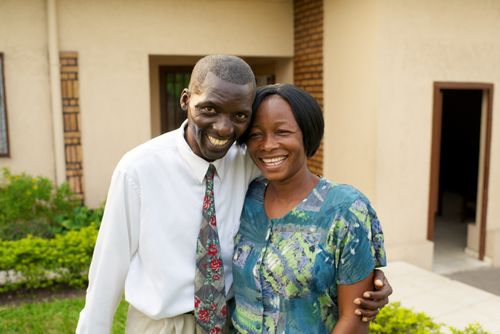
[{"x": 275, "y": 141}]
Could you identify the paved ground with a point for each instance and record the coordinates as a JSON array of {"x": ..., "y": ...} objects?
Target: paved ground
[
  {"x": 487, "y": 279},
  {"x": 445, "y": 300}
]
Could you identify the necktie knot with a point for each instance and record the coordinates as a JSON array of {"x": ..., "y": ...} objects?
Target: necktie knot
[
  {"x": 210, "y": 172},
  {"x": 209, "y": 190}
]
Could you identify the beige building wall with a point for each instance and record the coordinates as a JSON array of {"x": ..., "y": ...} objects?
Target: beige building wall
[
  {"x": 114, "y": 40},
  {"x": 396, "y": 50},
  {"x": 23, "y": 41}
]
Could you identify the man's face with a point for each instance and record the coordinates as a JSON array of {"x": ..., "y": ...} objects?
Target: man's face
[{"x": 218, "y": 114}]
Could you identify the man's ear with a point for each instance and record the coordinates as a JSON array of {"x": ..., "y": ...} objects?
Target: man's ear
[{"x": 184, "y": 100}]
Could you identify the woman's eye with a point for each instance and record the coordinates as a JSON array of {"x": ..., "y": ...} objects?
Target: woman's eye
[
  {"x": 254, "y": 135},
  {"x": 282, "y": 132}
]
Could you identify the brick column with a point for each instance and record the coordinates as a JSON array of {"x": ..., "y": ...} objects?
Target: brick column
[
  {"x": 71, "y": 116},
  {"x": 308, "y": 58}
]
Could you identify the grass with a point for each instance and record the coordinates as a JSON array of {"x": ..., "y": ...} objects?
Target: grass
[{"x": 58, "y": 316}]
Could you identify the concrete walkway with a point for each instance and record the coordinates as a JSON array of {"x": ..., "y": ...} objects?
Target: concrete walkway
[
  {"x": 487, "y": 279},
  {"x": 445, "y": 300}
]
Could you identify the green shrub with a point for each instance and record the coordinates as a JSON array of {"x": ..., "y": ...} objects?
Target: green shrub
[
  {"x": 35, "y": 262},
  {"x": 470, "y": 329},
  {"x": 395, "y": 319},
  {"x": 80, "y": 217},
  {"x": 32, "y": 205}
]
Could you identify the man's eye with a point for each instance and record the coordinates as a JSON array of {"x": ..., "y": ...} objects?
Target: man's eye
[
  {"x": 208, "y": 109},
  {"x": 241, "y": 117}
]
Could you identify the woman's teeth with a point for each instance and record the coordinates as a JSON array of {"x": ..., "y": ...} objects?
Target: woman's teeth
[
  {"x": 273, "y": 161},
  {"x": 217, "y": 142}
]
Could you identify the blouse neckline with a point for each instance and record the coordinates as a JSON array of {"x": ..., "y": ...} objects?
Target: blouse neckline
[{"x": 322, "y": 181}]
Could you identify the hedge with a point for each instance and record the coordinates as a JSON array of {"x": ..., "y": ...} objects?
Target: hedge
[
  {"x": 35, "y": 262},
  {"x": 33, "y": 205},
  {"x": 395, "y": 319}
]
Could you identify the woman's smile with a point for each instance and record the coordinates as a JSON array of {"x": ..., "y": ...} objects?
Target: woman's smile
[{"x": 274, "y": 161}]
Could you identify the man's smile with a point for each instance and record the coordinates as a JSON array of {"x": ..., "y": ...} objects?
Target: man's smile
[{"x": 217, "y": 142}]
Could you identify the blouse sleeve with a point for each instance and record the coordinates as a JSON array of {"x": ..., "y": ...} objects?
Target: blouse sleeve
[{"x": 359, "y": 242}]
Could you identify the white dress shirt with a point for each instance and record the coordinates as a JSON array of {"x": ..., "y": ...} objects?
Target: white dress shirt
[{"x": 147, "y": 239}]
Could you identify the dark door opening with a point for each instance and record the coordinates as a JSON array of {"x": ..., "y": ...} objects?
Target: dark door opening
[
  {"x": 459, "y": 164},
  {"x": 459, "y": 160},
  {"x": 459, "y": 173}
]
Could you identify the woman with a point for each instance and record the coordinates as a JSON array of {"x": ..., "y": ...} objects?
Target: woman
[{"x": 306, "y": 247}]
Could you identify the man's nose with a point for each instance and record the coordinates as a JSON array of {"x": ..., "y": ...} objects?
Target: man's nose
[{"x": 223, "y": 126}]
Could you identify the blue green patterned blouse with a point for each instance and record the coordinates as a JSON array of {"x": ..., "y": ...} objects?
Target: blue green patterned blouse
[{"x": 286, "y": 270}]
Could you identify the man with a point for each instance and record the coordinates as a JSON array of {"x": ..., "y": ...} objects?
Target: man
[{"x": 149, "y": 240}]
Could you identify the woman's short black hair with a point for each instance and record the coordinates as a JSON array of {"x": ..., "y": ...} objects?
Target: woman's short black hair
[{"x": 305, "y": 108}]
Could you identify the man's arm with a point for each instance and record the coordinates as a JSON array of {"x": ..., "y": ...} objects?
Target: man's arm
[
  {"x": 116, "y": 243},
  {"x": 371, "y": 302}
]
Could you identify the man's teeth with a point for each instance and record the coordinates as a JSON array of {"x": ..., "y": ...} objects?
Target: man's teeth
[
  {"x": 273, "y": 161},
  {"x": 217, "y": 142}
]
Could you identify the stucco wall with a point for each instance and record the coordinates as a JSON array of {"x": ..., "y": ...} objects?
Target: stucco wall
[
  {"x": 417, "y": 43},
  {"x": 23, "y": 41},
  {"x": 350, "y": 92},
  {"x": 114, "y": 39}
]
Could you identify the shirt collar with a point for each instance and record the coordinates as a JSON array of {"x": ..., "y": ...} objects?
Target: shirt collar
[{"x": 198, "y": 165}]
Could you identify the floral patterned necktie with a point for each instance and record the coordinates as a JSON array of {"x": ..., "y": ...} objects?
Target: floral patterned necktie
[{"x": 209, "y": 292}]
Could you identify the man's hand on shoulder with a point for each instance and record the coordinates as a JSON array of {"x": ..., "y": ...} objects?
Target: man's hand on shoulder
[{"x": 373, "y": 301}]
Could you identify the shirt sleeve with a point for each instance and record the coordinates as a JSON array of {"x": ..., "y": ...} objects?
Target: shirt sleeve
[
  {"x": 116, "y": 243},
  {"x": 360, "y": 245}
]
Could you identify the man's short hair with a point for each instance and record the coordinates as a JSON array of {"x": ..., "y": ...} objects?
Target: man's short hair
[
  {"x": 305, "y": 109},
  {"x": 228, "y": 68}
]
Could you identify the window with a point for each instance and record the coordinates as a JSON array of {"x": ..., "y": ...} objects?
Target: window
[
  {"x": 4, "y": 138},
  {"x": 173, "y": 79}
]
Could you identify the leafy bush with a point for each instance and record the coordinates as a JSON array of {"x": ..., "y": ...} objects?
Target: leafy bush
[
  {"x": 395, "y": 319},
  {"x": 470, "y": 329},
  {"x": 32, "y": 205},
  {"x": 80, "y": 217},
  {"x": 34, "y": 262}
]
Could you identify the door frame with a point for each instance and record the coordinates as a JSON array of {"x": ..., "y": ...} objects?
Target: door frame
[{"x": 437, "y": 116}]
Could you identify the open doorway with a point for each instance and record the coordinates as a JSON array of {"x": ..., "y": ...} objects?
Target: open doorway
[{"x": 459, "y": 175}]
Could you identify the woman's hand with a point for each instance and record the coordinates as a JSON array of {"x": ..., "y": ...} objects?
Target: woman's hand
[{"x": 372, "y": 301}]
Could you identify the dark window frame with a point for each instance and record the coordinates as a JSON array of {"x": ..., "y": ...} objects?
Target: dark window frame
[
  {"x": 171, "y": 119},
  {"x": 4, "y": 138}
]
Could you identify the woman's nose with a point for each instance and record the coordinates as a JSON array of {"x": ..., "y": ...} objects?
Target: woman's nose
[{"x": 269, "y": 143}]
